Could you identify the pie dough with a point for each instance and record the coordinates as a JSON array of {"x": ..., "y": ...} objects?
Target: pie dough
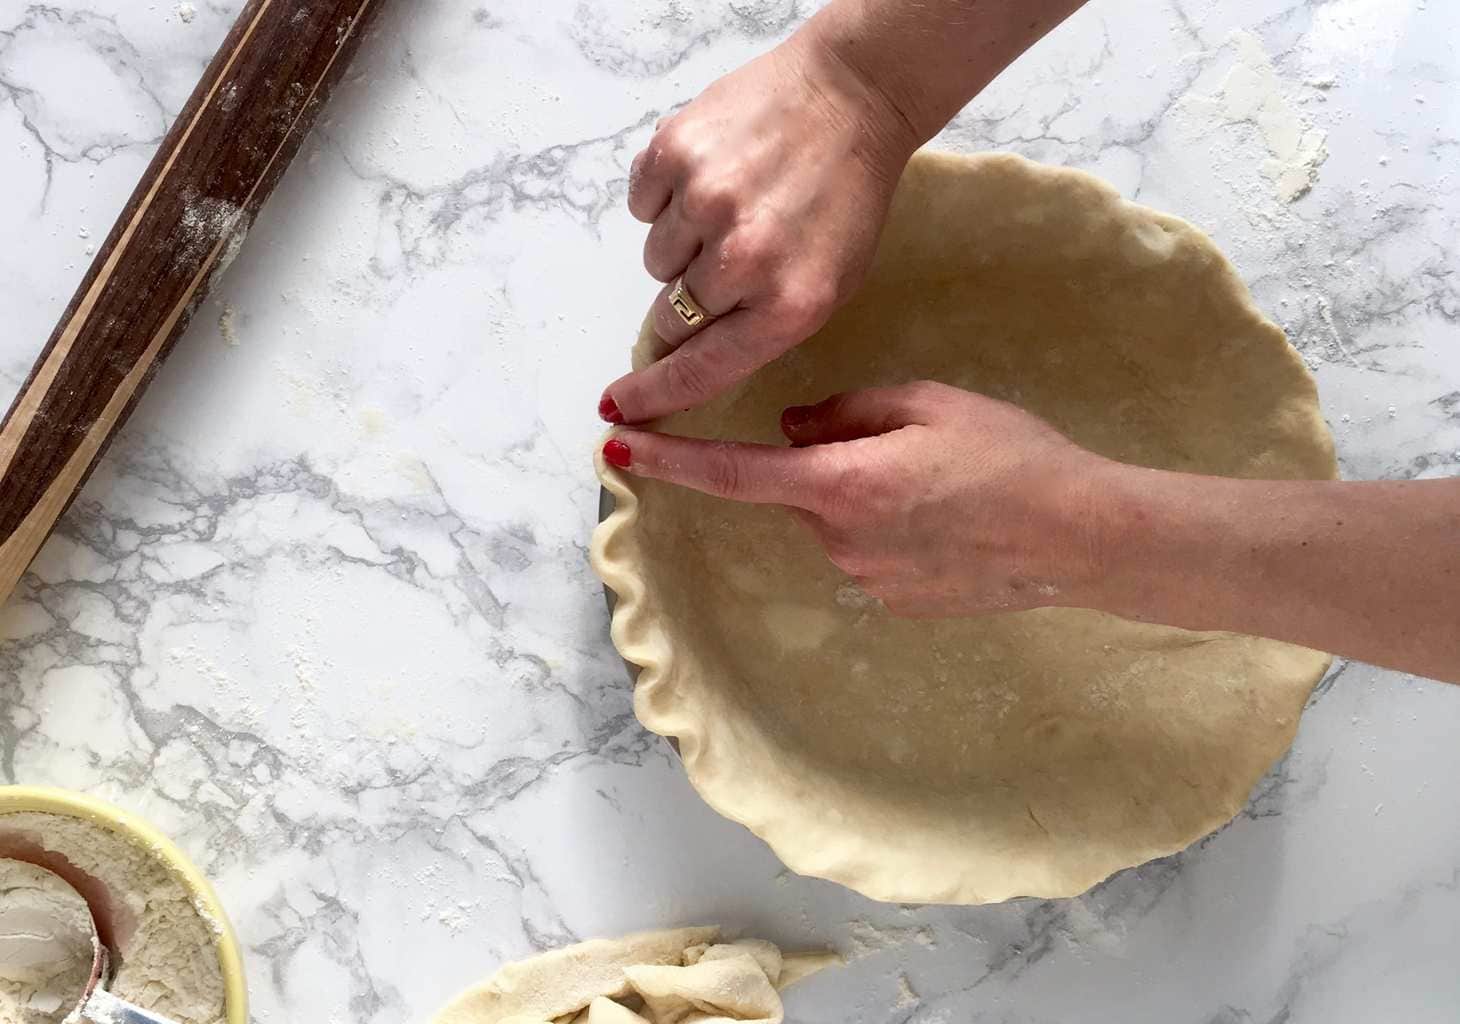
[
  {"x": 681, "y": 976},
  {"x": 1024, "y": 754}
]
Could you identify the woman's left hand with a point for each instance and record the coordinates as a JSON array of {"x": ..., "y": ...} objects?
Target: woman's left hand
[{"x": 766, "y": 194}]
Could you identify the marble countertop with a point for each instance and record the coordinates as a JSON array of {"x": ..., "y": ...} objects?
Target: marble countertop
[{"x": 324, "y": 612}]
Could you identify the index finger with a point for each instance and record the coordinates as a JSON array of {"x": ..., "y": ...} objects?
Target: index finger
[
  {"x": 759, "y": 474},
  {"x": 722, "y": 354}
]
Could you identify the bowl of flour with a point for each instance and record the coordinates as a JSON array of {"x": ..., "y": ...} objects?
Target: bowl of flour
[{"x": 173, "y": 951}]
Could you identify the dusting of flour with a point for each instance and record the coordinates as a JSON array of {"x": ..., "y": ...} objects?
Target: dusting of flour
[
  {"x": 1263, "y": 122},
  {"x": 1253, "y": 92},
  {"x": 165, "y": 948},
  {"x": 47, "y": 943}
]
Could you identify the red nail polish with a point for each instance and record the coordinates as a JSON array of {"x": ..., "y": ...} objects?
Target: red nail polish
[
  {"x": 796, "y": 416},
  {"x": 617, "y": 454},
  {"x": 608, "y": 410}
]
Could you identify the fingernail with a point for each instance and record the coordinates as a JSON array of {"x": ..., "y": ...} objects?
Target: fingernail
[
  {"x": 796, "y": 416},
  {"x": 608, "y": 410},
  {"x": 617, "y": 454}
]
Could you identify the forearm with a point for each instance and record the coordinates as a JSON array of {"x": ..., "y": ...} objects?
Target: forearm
[
  {"x": 928, "y": 58},
  {"x": 1366, "y": 570}
]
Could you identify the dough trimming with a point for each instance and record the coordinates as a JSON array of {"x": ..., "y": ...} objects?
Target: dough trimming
[{"x": 676, "y": 976}]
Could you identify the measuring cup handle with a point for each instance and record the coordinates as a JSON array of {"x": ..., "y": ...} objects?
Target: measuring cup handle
[{"x": 104, "y": 1008}]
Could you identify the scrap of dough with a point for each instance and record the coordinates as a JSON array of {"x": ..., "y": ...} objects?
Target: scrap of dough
[
  {"x": 1025, "y": 754},
  {"x": 47, "y": 945},
  {"x": 682, "y": 976}
]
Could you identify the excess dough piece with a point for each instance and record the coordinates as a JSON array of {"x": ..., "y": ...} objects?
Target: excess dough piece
[
  {"x": 678, "y": 976},
  {"x": 974, "y": 760}
]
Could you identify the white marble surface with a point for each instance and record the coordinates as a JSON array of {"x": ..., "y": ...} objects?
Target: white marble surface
[{"x": 324, "y": 612}]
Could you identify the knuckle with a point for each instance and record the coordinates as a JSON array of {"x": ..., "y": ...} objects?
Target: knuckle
[
  {"x": 659, "y": 160},
  {"x": 668, "y": 142},
  {"x": 744, "y": 260},
  {"x": 687, "y": 381},
  {"x": 753, "y": 249},
  {"x": 944, "y": 398},
  {"x": 640, "y": 192},
  {"x": 805, "y": 306},
  {"x": 926, "y": 390},
  {"x": 710, "y": 201},
  {"x": 880, "y": 496},
  {"x": 656, "y": 255},
  {"x": 835, "y": 406},
  {"x": 723, "y": 475},
  {"x": 837, "y": 491}
]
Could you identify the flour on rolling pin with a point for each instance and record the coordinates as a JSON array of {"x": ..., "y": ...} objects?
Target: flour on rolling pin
[
  {"x": 164, "y": 946},
  {"x": 217, "y": 165}
]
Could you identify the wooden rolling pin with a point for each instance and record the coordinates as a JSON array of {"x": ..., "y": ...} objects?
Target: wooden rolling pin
[{"x": 221, "y": 160}]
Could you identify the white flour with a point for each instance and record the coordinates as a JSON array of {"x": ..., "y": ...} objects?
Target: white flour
[
  {"x": 1253, "y": 92},
  {"x": 868, "y": 939},
  {"x": 165, "y": 946},
  {"x": 1260, "y": 118},
  {"x": 228, "y": 325},
  {"x": 46, "y": 945}
]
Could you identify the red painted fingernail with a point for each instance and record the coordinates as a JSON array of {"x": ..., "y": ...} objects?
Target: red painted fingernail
[
  {"x": 608, "y": 410},
  {"x": 796, "y": 416},
  {"x": 616, "y": 453}
]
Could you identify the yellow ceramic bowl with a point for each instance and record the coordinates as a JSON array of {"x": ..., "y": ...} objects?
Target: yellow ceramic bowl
[{"x": 14, "y": 799}]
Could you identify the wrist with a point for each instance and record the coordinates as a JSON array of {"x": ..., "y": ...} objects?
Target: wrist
[
  {"x": 1124, "y": 527},
  {"x": 830, "y": 60},
  {"x": 1168, "y": 544},
  {"x": 900, "y": 54},
  {"x": 926, "y": 60}
]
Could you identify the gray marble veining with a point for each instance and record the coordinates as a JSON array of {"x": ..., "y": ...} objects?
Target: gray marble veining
[{"x": 324, "y": 613}]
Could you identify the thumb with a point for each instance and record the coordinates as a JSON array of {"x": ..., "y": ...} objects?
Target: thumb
[
  {"x": 757, "y": 473},
  {"x": 856, "y": 414}
]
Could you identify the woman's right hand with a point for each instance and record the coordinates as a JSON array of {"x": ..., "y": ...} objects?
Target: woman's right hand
[
  {"x": 937, "y": 501},
  {"x": 767, "y": 195}
]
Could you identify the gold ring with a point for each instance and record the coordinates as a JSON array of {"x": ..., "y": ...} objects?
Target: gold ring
[{"x": 690, "y": 311}]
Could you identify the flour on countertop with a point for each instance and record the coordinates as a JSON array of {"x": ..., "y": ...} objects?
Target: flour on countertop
[
  {"x": 165, "y": 955},
  {"x": 868, "y": 938},
  {"x": 1253, "y": 93},
  {"x": 441, "y": 901},
  {"x": 849, "y": 595},
  {"x": 907, "y": 996}
]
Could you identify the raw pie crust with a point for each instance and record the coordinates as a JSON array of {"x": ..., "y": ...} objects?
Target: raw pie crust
[
  {"x": 679, "y": 976},
  {"x": 1025, "y": 754}
]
